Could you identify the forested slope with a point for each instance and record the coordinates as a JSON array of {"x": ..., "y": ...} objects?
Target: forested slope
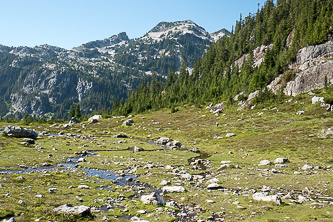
[{"x": 233, "y": 65}]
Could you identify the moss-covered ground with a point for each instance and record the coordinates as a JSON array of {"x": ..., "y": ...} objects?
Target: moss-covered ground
[{"x": 264, "y": 133}]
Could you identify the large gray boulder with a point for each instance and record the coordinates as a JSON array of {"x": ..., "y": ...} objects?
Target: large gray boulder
[
  {"x": 19, "y": 132},
  {"x": 150, "y": 199},
  {"x": 94, "y": 119},
  {"x": 173, "y": 189},
  {"x": 69, "y": 209},
  {"x": 264, "y": 196}
]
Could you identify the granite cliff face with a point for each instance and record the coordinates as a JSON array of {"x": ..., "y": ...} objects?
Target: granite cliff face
[{"x": 312, "y": 64}]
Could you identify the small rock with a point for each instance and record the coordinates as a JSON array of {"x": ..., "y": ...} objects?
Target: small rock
[
  {"x": 307, "y": 167},
  {"x": 164, "y": 183},
  {"x": 83, "y": 187},
  {"x": 52, "y": 190},
  {"x": 210, "y": 201},
  {"x": 300, "y": 112},
  {"x": 137, "y": 149},
  {"x": 172, "y": 204},
  {"x": 39, "y": 195}
]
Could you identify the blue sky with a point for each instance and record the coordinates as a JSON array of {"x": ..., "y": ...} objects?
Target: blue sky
[{"x": 70, "y": 23}]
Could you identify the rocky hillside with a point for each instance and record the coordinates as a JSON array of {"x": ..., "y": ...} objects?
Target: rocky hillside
[
  {"x": 48, "y": 79},
  {"x": 284, "y": 47}
]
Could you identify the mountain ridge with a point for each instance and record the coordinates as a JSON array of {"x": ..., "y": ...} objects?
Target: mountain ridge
[{"x": 49, "y": 79}]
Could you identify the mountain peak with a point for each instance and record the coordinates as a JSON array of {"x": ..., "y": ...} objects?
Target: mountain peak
[
  {"x": 219, "y": 34},
  {"x": 170, "y": 29}
]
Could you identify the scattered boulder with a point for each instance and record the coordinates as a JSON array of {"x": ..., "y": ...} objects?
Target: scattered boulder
[
  {"x": 216, "y": 109},
  {"x": 186, "y": 176},
  {"x": 173, "y": 189},
  {"x": 83, "y": 187},
  {"x": 150, "y": 199},
  {"x": 224, "y": 166},
  {"x": 165, "y": 182},
  {"x": 230, "y": 135},
  {"x": 73, "y": 121},
  {"x": 301, "y": 112},
  {"x": 176, "y": 143},
  {"x": 316, "y": 99},
  {"x": 214, "y": 186},
  {"x": 264, "y": 163},
  {"x": 19, "y": 132},
  {"x": 172, "y": 204},
  {"x": 69, "y": 209},
  {"x": 128, "y": 122},
  {"x": 81, "y": 159},
  {"x": 29, "y": 140},
  {"x": 264, "y": 196},
  {"x": 12, "y": 219},
  {"x": 280, "y": 160},
  {"x": 307, "y": 167},
  {"x": 195, "y": 150},
  {"x": 136, "y": 219},
  {"x": 52, "y": 190},
  {"x": 94, "y": 119},
  {"x": 326, "y": 133},
  {"x": 137, "y": 149},
  {"x": 162, "y": 141}
]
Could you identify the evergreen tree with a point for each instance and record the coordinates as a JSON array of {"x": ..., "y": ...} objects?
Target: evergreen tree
[
  {"x": 78, "y": 114},
  {"x": 71, "y": 112}
]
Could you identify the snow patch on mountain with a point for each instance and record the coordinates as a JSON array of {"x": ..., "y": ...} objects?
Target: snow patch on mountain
[
  {"x": 172, "y": 29},
  {"x": 219, "y": 34}
]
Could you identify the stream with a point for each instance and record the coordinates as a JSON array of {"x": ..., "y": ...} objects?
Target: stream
[{"x": 124, "y": 180}]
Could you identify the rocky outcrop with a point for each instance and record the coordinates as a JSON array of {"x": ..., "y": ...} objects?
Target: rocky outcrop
[
  {"x": 258, "y": 56},
  {"x": 19, "y": 132},
  {"x": 311, "y": 78}
]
